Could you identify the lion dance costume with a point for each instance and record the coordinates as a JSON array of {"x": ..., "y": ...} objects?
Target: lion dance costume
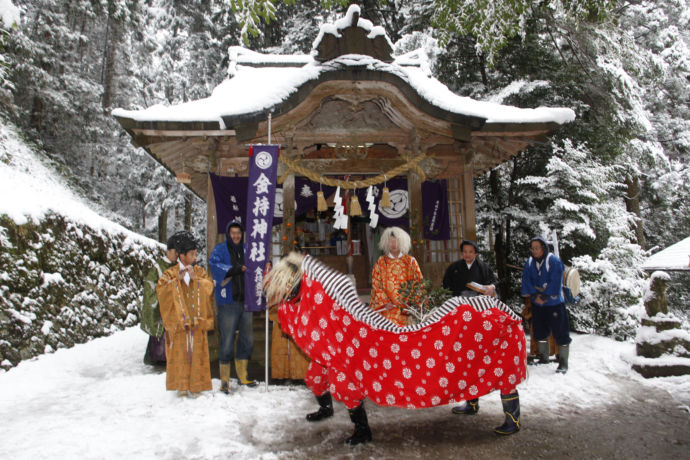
[{"x": 468, "y": 348}]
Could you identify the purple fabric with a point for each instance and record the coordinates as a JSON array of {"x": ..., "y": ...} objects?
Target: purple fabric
[
  {"x": 261, "y": 194},
  {"x": 156, "y": 349},
  {"x": 435, "y": 217},
  {"x": 231, "y": 203},
  {"x": 230, "y": 194}
]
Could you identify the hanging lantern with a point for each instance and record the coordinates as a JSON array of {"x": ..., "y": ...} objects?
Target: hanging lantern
[
  {"x": 183, "y": 178},
  {"x": 385, "y": 198},
  {"x": 355, "y": 208},
  {"x": 321, "y": 204}
]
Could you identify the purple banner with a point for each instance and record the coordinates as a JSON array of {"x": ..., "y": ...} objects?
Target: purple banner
[
  {"x": 263, "y": 167},
  {"x": 230, "y": 194},
  {"x": 435, "y": 219}
]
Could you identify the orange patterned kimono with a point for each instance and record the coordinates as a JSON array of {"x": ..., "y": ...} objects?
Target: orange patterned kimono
[
  {"x": 188, "y": 366},
  {"x": 387, "y": 275},
  {"x": 288, "y": 361}
]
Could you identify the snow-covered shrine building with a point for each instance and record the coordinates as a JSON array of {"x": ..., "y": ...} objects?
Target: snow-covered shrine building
[{"x": 349, "y": 109}]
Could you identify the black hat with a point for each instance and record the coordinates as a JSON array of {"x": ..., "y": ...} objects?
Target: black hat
[
  {"x": 471, "y": 243},
  {"x": 171, "y": 242},
  {"x": 184, "y": 242}
]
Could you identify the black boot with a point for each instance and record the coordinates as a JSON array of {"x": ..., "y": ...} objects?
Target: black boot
[
  {"x": 470, "y": 407},
  {"x": 511, "y": 407},
  {"x": 362, "y": 432},
  {"x": 543, "y": 352},
  {"x": 563, "y": 351},
  {"x": 325, "y": 408}
]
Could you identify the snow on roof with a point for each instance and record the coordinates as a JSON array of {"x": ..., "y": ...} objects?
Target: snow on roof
[
  {"x": 345, "y": 22},
  {"x": 242, "y": 55},
  {"x": 253, "y": 89},
  {"x": 675, "y": 257},
  {"x": 257, "y": 82}
]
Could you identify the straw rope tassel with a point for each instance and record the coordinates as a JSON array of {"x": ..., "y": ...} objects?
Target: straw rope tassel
[
  {"x": 385, "y": 198},
  {"x": 321, "y": 204},
  {"x": 355, "y": 208}
]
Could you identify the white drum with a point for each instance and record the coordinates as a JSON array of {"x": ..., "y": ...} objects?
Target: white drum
[{"x": 571, "y": 280}]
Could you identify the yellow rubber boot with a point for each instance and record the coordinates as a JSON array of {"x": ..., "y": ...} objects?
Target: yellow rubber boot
[
  {"x": 241, "y": 368},
  {"x": 224, "y": 377}
]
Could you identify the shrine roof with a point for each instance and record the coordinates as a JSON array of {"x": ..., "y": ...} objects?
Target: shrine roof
[
  {"x": 261, "y": 83},
  {"x": 674, "y": 258}
]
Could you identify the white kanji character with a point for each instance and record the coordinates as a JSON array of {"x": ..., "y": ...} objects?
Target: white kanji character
[
  {"x": 262, "y": 184},
  {"x": 260, "y": 228},
  {"x": 261, "y": 205},
  {"x": 257, "y": 254},
  {"x": 258, "y": 284}
]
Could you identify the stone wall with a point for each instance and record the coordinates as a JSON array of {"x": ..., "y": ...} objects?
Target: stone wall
[{"x": 63, "y": 282}]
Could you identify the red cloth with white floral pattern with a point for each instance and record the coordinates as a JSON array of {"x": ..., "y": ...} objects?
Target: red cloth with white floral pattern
[{"x": 462, "y": 355}]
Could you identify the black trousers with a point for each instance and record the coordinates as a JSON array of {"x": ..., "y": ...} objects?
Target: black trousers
[{"x": 551, "y": 320}]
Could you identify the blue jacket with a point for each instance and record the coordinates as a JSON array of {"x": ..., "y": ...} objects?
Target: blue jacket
[
  {"x": 220, "y": 263},
  {"x": 545, "y": 278}
]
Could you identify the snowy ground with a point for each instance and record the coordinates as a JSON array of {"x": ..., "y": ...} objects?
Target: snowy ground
[{"x": 98, "y": 400}]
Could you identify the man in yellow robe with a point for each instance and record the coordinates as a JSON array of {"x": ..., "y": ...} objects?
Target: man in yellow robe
[{"x": 184, "y": 295}]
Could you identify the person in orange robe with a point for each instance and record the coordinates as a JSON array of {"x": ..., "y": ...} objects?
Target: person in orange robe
[
  {"x": 185, "y": 293},
  {"x": 392, "y": 269}
]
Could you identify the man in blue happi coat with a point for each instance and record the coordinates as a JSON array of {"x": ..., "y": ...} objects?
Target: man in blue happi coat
[
  {"x": 227, "y": 267},
  {"x": 542, "y": 281}
]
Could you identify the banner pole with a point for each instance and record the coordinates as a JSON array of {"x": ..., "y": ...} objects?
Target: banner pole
[
  {"x": 266, "y": 365},
  {"x": 266, "y": 354}
]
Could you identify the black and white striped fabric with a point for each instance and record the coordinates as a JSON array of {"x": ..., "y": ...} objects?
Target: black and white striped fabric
[{"x": 340, "y": 288}]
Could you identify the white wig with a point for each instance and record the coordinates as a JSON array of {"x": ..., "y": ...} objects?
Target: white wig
[{"x": 401, "y": 235}]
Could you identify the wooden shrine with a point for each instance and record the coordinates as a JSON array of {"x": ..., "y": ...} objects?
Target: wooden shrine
[{"x": 350, "y": 108}]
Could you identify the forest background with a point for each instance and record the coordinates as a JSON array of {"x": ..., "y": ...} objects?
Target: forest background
[{"x": 614, "y": 183}]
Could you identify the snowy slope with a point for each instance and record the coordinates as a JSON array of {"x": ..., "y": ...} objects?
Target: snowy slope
[
  {"x": 31, "y": 188},
  {"x": 98, "y": 400}
]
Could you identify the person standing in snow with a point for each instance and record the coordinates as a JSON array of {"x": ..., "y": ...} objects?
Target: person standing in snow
[
  {"x": 185, "y": 293},
  {"x": 469, "y": 269},
  {"x": 542, "y": 281},
  {"x": 151, "y": 321},
  {"x": 227, "y": 267}
]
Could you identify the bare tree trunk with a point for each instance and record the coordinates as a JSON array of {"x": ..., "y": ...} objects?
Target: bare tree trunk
[
  {"x": 143, "y": 216},
  {"x": 163, "y": 226},
  {"x": 632, "y": 204},
  {"x": 499, "y": 241},
  {"x": 37, "y": 113},
  {"x": 104, "y": 63},
  {"x": 482, "y": 70},
  {"x": 188, "y": 212},
  {"x": 109, "y": 62}
]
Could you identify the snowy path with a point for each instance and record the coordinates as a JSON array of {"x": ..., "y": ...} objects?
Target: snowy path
[{"x": 98, "y": 400}]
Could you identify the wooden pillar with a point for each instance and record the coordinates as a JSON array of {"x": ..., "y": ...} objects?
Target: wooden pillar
[
  {"x": 211, "y": 219},
  {"x": 288, "y": 232},
  {"x": 414, "y": 193},
  {"x": 211, "y": 238},
  {"x": 469, "y": 218}
]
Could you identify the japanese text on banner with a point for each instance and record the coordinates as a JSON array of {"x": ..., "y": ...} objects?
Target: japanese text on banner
[{"x": 263, "y": 166}]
